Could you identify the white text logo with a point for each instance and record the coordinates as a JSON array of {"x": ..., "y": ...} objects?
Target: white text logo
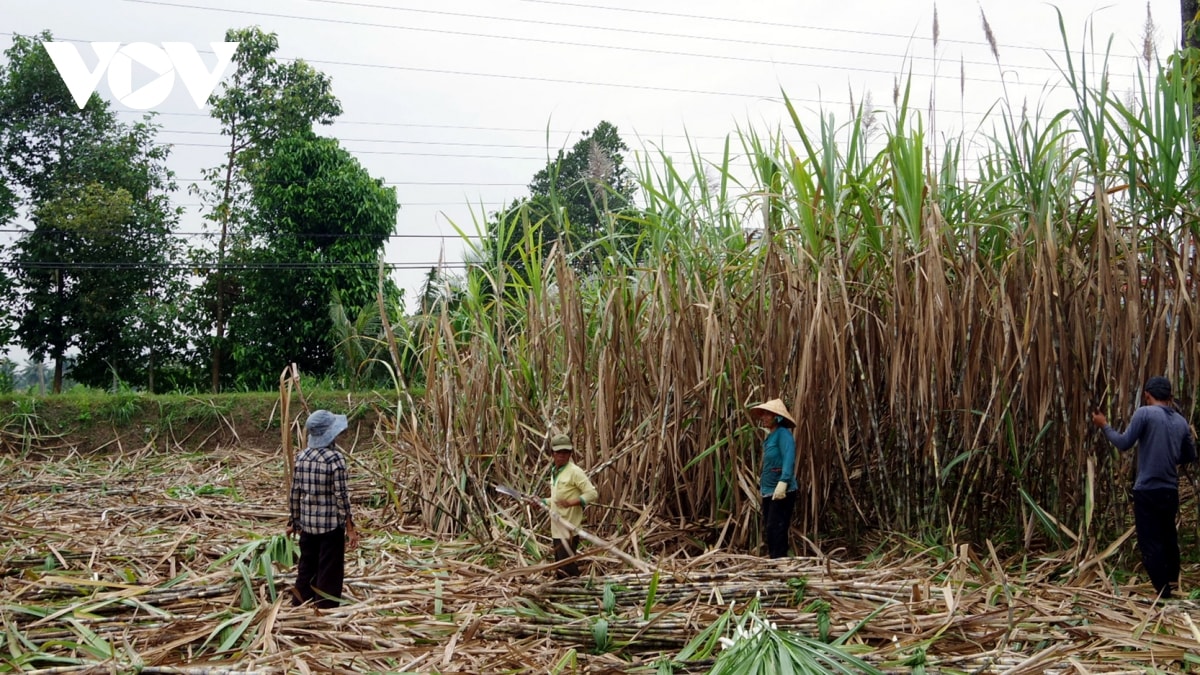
[{"x": 172, "y": 58}]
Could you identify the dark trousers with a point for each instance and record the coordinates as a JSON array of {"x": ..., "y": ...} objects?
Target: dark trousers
[
  {"x": 777, "y": 520},
  {"x": 322, "y": 567},
  {"x": 1154, "y": 515},
  {"x": 564, "y": 550}
]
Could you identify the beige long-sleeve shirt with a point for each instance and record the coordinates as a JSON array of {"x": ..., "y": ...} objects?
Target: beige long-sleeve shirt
[{"x": 569, "y": 482}]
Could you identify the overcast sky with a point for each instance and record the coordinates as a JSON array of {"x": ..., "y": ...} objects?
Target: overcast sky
[{"x": 456, "y": 102}]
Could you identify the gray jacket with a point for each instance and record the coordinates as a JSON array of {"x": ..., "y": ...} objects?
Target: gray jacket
[{"x": 1164, "y": 441}]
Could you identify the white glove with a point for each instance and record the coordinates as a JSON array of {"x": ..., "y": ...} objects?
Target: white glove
[{"x": 780, "y": 490}]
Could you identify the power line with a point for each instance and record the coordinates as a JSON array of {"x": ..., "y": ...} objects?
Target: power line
[
  {"x": 355, "y": 151},
  {"x": 672, "y": 35},
  {"x": 419, "y": 125},
  {"x": 506, "y": 129},
  {"x": 488, "y": 203},
  {"x": 531, "y": 78},
  {"x": 625, "y": 48},
  {"x": 433, "y": 183},
  {"x": 564, "y": 81},
  {"x": 394, "y": 141},
  {"x": 560, "y": 81},
  {"x": 449, "y": 183},
  {"x": 296, "y": 235},
  {"x": 414, "y": 125},
  {"x": 751, "y": 22},
  {"x": 223, "y": 267},
  {"x": 403, "y": 204},
  {"x": 398, "y": 153},
  {"x": 542, "y": 158}
]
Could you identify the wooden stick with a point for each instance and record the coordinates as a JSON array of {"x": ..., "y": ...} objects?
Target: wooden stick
[
  {"x": 285, "y": 425},
  {"x": 584, "y": 534}
]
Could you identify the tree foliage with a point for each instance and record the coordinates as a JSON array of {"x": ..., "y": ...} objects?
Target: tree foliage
[
  {"x": 315, "y": 248},
  {"x": 8, "y": 201},
  {"x": 582, "y": 197},
  {"x": 96, "y": 193},
  {"x": 263, "y": 101}
]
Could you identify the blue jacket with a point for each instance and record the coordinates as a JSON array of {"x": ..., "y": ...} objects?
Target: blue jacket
[
  {"x": 779, "y": 461},
  {"x": 1164, "y": 440}
]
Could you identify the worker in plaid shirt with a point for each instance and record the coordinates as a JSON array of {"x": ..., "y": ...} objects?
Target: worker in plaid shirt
[{"x": 319, "y": 505}]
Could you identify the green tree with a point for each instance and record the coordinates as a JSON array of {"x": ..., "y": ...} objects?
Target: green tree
[
  {"x": 32, "y": 377},
  {"x": 1188, "y": 54},
  {"x": 96, "y": 193},
  {"x": 8, "y": 375},
  {"x": 8, "y": 211},
  {"x": 8, "y": 201},
  {"x": 581, "y": 199},
  {"x": 41, "y": 126},
  {"x": 263, "y": 101},
  {"x": 1189, "y": 12},
  {"x": 314, "y": 250}
]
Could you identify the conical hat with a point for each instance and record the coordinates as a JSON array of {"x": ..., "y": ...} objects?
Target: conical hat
[{"x": 776, "y": 407}]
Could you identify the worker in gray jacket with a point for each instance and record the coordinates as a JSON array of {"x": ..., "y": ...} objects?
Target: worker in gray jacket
[{"x": 1164, "y": 440}]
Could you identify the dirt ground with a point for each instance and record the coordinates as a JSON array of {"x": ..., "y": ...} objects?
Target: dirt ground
[{"x": 172, "y": 561}]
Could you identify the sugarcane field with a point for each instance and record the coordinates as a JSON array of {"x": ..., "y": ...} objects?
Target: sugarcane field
[
  {"x": 167, "y": 554},
  {"x": 855, "y": 391}
]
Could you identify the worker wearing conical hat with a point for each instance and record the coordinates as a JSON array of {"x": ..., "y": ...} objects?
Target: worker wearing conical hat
[{"x": 778, "y": 483}]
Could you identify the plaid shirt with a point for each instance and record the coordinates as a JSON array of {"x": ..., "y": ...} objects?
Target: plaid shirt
[{"x": 319, "y": 500}]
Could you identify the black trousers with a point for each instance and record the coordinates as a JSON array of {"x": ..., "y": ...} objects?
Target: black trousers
[
  {"x": 777, "y": 520},
  {"x": 1154, "y": 514},
  {"x": 564, "y": 550},
  {"x": 322, "y": 567}
]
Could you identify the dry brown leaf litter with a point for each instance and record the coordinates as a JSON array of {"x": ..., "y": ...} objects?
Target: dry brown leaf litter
[{"x": 93, "y": 542}]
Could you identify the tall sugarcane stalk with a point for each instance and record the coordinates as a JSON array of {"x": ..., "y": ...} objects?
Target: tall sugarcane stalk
[{"x": 940, "y": 324}]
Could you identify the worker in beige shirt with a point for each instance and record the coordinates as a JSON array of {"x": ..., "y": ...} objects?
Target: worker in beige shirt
[{"x": 570, "y": 492}]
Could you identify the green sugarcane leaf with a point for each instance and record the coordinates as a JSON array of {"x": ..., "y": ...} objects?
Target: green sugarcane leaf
[{"x": 651, "y": 594}]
